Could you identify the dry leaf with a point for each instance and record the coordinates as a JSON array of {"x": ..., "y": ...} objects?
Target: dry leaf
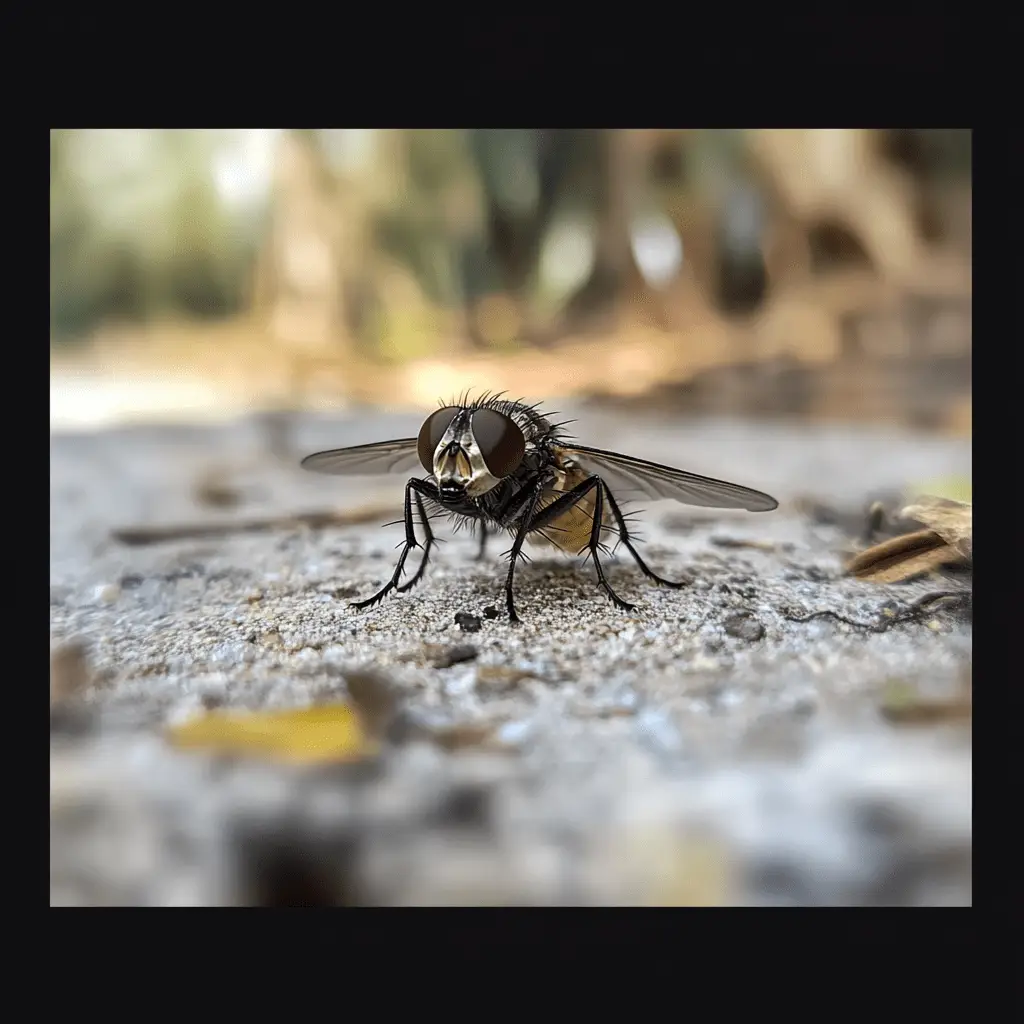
[
  {"x": 327, "y": 733},
  {"x": 946, "y": 542},
  {"x": 953, "y": 521},
  {"x": 902, "y": 557}
]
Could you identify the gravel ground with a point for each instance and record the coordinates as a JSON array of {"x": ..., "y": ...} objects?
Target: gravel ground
[{"x": 704, "y": 748}]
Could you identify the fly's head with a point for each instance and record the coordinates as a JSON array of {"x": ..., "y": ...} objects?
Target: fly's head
[{"x": 470, "y": 449}]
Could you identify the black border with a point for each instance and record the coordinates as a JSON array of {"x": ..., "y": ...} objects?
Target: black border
[{"x": 905, "y": 69}]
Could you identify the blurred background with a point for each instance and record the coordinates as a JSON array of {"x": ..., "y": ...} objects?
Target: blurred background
[{"x": 800, "y": 273}]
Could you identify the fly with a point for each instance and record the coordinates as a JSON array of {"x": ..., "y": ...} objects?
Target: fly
[{"x": 502, "y": 466}]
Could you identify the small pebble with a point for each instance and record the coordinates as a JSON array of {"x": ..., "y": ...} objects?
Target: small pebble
[
  {"x": 703, "y": 663},
  {"x": 743, "y": 627},
  {"x": 108, "y": 593},
  {"x": 455, "y": 655},
  {"x": 467, "y": 623}
]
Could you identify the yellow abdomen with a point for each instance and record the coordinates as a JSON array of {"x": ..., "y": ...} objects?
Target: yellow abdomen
[{"x": 570, "y": 532}]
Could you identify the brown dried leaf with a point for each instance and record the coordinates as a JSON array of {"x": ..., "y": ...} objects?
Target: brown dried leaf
[
  {"x": 951, "y": 520},
  {"x": 902, "y": 557}
]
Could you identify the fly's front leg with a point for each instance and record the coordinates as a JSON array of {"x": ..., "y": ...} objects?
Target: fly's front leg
[
  {"x": 524, "y": 528},
  {"x": 419, "y": 487},
  {"x": 428, "y": 543}
]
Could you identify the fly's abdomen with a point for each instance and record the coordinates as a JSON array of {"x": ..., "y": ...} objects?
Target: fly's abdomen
[{"x": 570, "y": 531}]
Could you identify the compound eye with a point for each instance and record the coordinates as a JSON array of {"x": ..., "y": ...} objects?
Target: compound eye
[
  {"x": 500, "y": 441},
  {"x": 433, "y": 429}
]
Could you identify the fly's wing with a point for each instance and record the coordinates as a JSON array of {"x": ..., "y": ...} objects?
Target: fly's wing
[
  {"x": 637, "y": 477},
  {"x": 399, "y": 456}
]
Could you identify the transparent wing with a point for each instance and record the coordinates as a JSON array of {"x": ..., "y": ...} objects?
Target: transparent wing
[
  {"x": 634, "y": 478},
  {"x": 400, "y": 456}
]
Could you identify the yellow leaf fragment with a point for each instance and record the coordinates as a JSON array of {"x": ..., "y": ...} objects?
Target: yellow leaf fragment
[{"x": 327, "y": 733}]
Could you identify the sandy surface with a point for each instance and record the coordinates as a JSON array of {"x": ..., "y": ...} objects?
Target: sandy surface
[{"x": 704, "y": 748}]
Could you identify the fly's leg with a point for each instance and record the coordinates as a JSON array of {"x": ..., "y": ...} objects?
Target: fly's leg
[
  {"x": 567, "y": 501},
  {"x": 595, "y": 540},
  {"x": 620, "y": 521},
  {"x": 428, "y": 543},
  {"x": 483, "y": 543},
  {"x": 420, "y": 487},
  {"x": 517, "y": 546}
]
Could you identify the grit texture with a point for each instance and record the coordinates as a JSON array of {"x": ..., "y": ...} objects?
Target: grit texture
[{"x": 706, "y": 748}]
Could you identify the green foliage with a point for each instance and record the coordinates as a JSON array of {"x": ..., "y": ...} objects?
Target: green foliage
[{"x": 137, "y": 229}]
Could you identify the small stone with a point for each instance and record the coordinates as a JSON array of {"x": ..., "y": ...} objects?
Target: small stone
[
  {"x": 108, "y": 593},
  {"x": 467, "y": 623},
  {"x": 703, "y": 663},
  {"x": 374, "y": 698},
  {"x": 69, "y": 671},
  {"x": 743, "y": 627},
  {"x": 804, "y": 707},
  {"x": 465, "y": 805},
  {"x": 445, "y": 657},
  {"x": 514, "y": 734}
]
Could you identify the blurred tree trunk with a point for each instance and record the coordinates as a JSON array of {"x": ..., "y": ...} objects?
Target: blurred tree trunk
[
  {"x": 835, "y": 177},
  {"x": 301, "y": 269},
  {"x": 615, "y": 277},
  {"x": 524, "y": 175}
]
